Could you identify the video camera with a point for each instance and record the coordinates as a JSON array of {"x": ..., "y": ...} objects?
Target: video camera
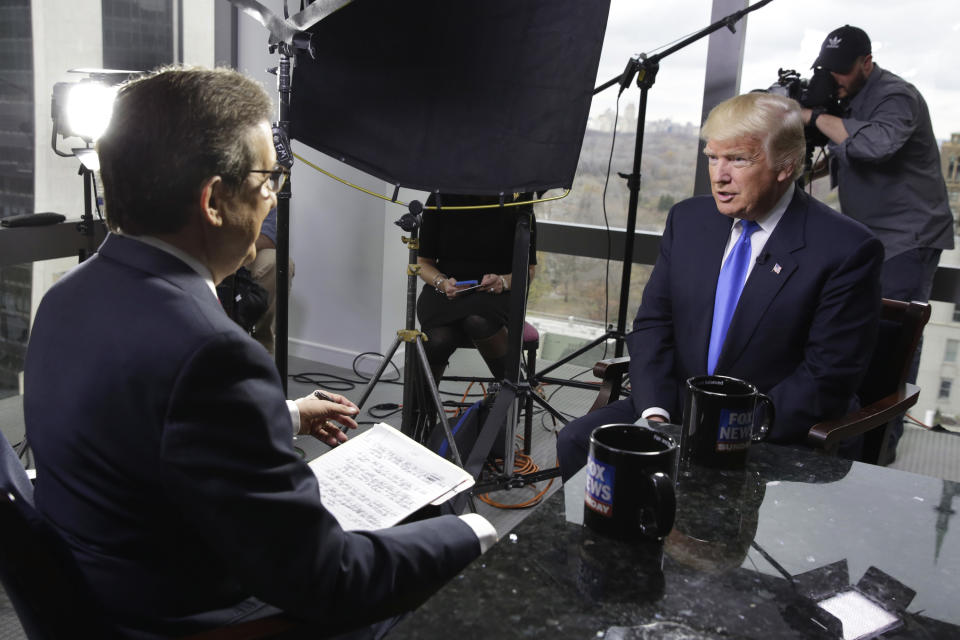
[{"x": 819, "y": 91}]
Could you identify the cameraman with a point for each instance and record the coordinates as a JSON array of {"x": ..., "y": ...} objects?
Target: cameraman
[{"x": 885, "y": 159}]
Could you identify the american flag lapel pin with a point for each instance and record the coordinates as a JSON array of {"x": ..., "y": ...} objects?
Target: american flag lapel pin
[{"x": 776, "y": 268}]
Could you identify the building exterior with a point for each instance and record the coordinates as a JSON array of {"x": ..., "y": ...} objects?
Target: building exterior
[
  {"x": 939, "y": 376},
  {"x": 16, "y": 180}
]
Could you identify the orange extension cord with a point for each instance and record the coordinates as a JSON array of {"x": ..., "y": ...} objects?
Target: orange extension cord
[{"x": 521, "y": 464}]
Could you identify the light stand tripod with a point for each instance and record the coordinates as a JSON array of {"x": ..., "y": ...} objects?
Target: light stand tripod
[
  {"x": 89, "y": 163},
  {"x": 645, "y": 68},
  {"x": 415, "y": 362},
  {"x": 504, "y": 413},
  {"x": 281, "y": 141}
]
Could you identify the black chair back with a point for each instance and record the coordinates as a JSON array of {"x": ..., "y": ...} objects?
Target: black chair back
[
  {"x": 901, "y": 327},
  {"x": 38, "y": 572}
]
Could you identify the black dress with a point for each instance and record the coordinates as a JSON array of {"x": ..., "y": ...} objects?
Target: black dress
[{"x": 466, "y": 245}]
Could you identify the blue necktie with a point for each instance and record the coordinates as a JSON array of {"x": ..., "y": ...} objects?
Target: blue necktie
[{"x": 733, "y": 274}]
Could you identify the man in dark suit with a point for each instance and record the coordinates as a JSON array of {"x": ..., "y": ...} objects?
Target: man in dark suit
[
  {"x": 802, "y": 329},
  {"x": 163, "y": 441}
]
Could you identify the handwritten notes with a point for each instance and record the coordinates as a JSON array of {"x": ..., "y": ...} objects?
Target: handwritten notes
[{"x": 381, "y": 476}]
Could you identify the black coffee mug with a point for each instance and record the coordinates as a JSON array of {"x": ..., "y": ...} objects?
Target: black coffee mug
[
  {"x": 630, "y": 491},
  {"x": 720, "y": 420}
]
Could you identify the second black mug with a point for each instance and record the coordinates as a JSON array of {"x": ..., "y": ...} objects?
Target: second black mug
[{"x": 721, "y": 417}]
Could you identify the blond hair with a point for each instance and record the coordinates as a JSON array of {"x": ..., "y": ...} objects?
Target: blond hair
[{"x": 774, "y": 120}]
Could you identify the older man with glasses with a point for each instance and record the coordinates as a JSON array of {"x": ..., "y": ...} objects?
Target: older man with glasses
[{"x": 162, "y": 437}]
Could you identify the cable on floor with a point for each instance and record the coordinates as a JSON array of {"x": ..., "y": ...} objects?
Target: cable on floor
[{"x": 522, "y": 464}]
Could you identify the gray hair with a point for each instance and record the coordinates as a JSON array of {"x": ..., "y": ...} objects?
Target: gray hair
[{"x": 170, "y": 132}]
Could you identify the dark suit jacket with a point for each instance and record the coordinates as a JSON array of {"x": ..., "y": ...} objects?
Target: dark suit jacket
[
  {"x": 165, "y": 458},
  {"x": 804, "y": 328}
]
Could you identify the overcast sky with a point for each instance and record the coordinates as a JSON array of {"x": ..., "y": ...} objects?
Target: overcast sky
[{"x": 918, "y": 40}]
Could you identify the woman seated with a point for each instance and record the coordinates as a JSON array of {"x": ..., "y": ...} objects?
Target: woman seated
[{"x": 464, "y": 245}]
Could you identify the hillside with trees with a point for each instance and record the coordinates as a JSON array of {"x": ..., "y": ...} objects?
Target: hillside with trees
[{"x": 572, "y": 286}]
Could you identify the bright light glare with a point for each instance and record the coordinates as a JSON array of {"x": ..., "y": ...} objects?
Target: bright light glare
[{"x": 88, "y": 108}]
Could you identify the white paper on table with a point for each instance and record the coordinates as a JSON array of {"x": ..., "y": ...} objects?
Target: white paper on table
[
  {"x": 381, "y": 476},
  {"x": 861, "y": 617}
]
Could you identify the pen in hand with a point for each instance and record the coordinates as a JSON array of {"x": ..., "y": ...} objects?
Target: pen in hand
[{"x": 322, "y": 396}]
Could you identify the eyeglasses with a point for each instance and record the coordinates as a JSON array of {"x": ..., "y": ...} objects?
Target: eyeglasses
[{"x": 275, "y": 177}]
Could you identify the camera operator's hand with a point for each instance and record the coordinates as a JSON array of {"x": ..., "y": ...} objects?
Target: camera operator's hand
[{"x": 831, "y": 126}]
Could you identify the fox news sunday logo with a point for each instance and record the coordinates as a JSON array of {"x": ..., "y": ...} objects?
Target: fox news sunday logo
[
  {"x": 734, "y": 430},
  {"x": 599, "y": 495}
]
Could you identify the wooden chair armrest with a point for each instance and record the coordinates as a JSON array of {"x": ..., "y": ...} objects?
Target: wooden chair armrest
[
  {"x": 611, "y": 371},
  {"x": 611, "y": 367},
  {"x": 829, "y": 434}
]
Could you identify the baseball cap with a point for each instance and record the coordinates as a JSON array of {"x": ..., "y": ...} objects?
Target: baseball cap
[{"x": 841, "y": 49}]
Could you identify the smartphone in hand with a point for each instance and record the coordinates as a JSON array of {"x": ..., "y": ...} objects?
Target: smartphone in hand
[{"x": 465, "y": 286}]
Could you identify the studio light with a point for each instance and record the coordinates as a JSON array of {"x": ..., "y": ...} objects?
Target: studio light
[{"x": 82, "y": 109}]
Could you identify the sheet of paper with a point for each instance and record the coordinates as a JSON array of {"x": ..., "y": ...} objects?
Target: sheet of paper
[
  {"x": 861, "y": 617},
  {"x": 381, "y": 476}
]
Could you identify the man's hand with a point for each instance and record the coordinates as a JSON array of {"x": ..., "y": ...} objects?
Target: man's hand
[{"x": 321, "y": 418}]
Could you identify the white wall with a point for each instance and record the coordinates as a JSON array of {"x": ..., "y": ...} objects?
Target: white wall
[
  {"x": 197, "y": 32},
  {"x": 65, "y": 36},
  {"x": 350, "y": 266}
]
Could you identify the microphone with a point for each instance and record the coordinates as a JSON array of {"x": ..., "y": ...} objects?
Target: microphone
[{"x": 763, "y": 257}]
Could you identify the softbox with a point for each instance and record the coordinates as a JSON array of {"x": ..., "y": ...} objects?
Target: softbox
[{"x": 458, "y": 96}]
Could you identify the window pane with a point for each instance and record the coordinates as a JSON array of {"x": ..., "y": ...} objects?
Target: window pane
[
  {"x": 16, "y": 181},
  {"x": 137, "y": 34},
  {"x": 570, "y": 304},
  {"x": 674, "y": 102},
  {"x": 945, "y": 386},
  {"x": 571, "y": 291},
  {"x": 950, "y": 355},
  {"x": 14, "y": 325}
]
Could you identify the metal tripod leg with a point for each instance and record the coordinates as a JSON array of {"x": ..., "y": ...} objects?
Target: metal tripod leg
[
  {"x": 438, "y": 403},
  {"x": 376, "y": 377}
]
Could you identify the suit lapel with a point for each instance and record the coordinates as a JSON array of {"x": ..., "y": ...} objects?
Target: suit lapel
[{"x": 766, "y": 280}]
